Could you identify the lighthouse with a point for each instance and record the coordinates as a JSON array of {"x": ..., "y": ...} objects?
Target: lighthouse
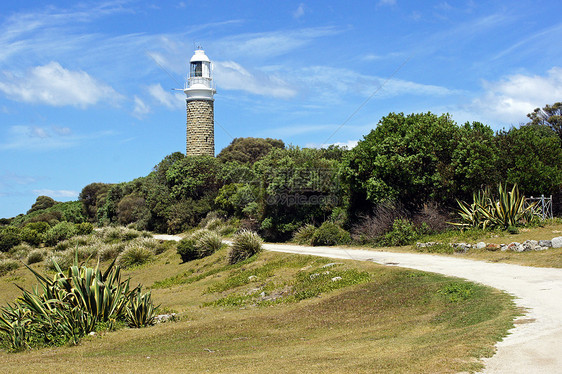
[{"x": 199, "y": 90}]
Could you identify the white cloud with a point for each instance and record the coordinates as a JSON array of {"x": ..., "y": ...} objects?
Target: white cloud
[
  {"x": 169, "y": 100},
  {"x": 232, "y": 76},
  {"x": 54, "y": 85},
  {"x": 511, "y": 98},
  {"x": 56, "y": 193},
  {"x": 299, "y": 12},
  {"x": 141, "y": 109}
]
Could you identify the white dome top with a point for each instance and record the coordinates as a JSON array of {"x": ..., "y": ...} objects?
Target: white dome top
[{"x": 199, "y": 56}]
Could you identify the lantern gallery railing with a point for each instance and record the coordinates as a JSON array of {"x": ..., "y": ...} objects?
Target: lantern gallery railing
[{"x": 207, "y": 82}]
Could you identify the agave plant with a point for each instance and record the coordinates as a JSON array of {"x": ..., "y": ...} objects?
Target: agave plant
[
  {"x": 507, "y": 211},
  {"x": 71, "y": 305},
  {"x": 141, "y": 311}
]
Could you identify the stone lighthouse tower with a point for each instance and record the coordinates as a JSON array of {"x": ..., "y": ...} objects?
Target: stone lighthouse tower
[{"x": 199, "y": 90}]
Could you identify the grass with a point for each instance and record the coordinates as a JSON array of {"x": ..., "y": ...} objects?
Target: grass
[{"x": 373, "y": 319}]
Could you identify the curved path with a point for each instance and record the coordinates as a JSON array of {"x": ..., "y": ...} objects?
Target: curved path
[{"x": 533, "y": 346}]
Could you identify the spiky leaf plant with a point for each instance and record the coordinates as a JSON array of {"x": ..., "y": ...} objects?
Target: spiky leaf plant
[{"x": 69, "y": 306}]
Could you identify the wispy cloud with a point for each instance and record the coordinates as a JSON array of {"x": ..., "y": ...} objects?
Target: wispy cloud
[
  {"x": 52, "y": 84},
  {"x": 232, "y": 76},
  {"x": 141, "y": 109},
  {"x": 271, "y": 44},
  {"x": 512, "y": 97},
  {"x": 165, "y": 98},
  {"x": 56, "y": 193},
  {"x": 37, "y": 138}
]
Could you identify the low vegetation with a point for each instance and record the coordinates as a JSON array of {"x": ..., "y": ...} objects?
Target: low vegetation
[{"x": 324, "y": 315}]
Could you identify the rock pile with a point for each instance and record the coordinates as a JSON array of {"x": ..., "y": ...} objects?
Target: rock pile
[{"x": 527, "y": 245}]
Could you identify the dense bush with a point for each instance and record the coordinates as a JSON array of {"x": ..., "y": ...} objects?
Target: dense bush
[
  {"x": 9, "y": 237},
  {"x": 403, "y": 232},
  {"x": 84, "y": 228},
  {"x": 59, "y": 232},
  {"x": 30, "y": 236},
  {"x": 330, "y": 234},
  {"x": 244, "y": 245}
]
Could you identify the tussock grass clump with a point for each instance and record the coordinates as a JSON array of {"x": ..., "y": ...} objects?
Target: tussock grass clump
[
  {"x": 35, "y": 256},
  {"x": 8, "y": 265},
  {"x": 134, "y": 255},
  {"x": 201, "y": 243},
  {"x": 66, "y": 258},
  {"x": 20, "y": 251},
  {"x": 245, "y": 244},
  {"x": 304, "y": 234},
  {"x": 110, "y": 251}
]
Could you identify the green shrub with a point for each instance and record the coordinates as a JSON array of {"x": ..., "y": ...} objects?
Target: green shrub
[
  {"x": 134, "y": 255},
  {"x": 40, "y": 227},
  {"x": 35, "y": 256},
  {"x": 304, "y": 234},
  {"x": 30, "y": 236},
  {"x": 403, "y": 233},
  {"x": 187, "y": 250},
  {"x": 59, "y": 232},
  {"x": 330, "y": 234},
  {"x": 8, "y": 265},
  {"x": 245, "y": 244},
  {"x": 9, "y": 237},
  {"x": 84, "y": 228}
]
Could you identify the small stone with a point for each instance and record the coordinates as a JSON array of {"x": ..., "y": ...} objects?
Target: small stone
[
  {"x": 480, "y": 245},
  {"x": 252, "y": 277},
  {"x": 557, "y": 242},
  {"x": 493, "y": 247},
  {"x": 421, "y": 245},
  {"x": 503, "y": 247},
  {"x": 335, "y": 279},
  {"x": 545, "y": 243},
  {"x": 93, "y": 333},
  {"x": 312, "y": 276}
]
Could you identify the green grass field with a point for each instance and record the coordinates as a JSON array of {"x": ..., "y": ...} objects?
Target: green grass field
[{"x": 287, "y": 313}]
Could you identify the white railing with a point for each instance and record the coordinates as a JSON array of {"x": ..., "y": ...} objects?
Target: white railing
[{"x": 207, "y": 82}]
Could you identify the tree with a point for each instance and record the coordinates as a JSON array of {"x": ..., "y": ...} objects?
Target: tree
[
  {"x": 550, "y": 116},
  {"x": 249, "y": 150},
  {"x": 92, "y": 197},
  {"x": 405, "y": 159},
  {"x": 475, "y": 159},
  {"x": 42, "y": 202},
  {"x": 531, "y": 157}
]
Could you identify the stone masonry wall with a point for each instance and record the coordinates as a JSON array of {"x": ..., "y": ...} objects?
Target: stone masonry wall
[{"x": 200, "y": 128}]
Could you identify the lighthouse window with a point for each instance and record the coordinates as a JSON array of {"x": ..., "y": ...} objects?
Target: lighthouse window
[{"x": 197, "y": 69}]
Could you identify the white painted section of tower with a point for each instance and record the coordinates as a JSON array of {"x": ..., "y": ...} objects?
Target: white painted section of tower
[{"x": 199, "y": 85}]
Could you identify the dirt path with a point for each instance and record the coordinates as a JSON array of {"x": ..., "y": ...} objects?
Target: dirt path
[{"x": 534, "y": 345}]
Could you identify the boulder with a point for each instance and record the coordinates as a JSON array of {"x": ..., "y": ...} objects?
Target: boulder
[
  {"x": 480, "y": 245},
  {"x": 545, "y": 243},
  {"x": 557, "y": 242},
  {"x": 492, "y": 247}
]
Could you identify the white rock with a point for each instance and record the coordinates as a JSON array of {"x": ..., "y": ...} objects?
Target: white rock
[
  {"x": 252, "y": 277},
  {"x": 335, "y": 279},
  {"x": 480, "y": 245},
  {"x": 545, "y": 243},
  {"x": 557, "y": 242}
]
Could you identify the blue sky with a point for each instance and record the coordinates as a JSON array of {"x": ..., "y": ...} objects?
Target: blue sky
[{"x": 86, "y": 88}]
